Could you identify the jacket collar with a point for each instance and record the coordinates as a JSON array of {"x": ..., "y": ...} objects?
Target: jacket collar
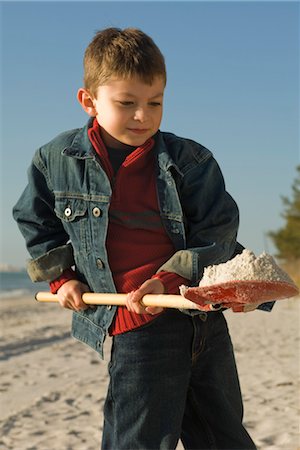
[
  {"x": 165, "y": 161},
  {"x": 81, "y": 147}
]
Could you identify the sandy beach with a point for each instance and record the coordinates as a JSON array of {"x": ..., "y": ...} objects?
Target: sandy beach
[{"x": 53, "y": 387}]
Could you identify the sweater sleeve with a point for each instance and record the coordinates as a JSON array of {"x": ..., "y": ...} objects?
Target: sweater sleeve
[
  {"x": 67, "y": 275},
  {"x": 171, "y": 281}
]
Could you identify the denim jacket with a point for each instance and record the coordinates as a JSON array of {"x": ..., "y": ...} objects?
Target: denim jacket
[{"x": 58, "y": 214}]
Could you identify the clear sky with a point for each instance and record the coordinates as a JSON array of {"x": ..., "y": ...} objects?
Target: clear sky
[{"x": 233, "y": 86}]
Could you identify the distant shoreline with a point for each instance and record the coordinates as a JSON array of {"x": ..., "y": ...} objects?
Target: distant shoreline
[{"x": 7, "y": 268}]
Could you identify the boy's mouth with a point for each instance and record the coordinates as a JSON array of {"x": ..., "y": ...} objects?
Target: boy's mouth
[{"x": 138, "y": 130}]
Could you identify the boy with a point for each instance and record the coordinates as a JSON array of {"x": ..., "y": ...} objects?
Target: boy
[{"x": 119, "y": 206}]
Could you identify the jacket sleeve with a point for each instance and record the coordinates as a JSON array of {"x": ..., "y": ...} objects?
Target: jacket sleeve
[
  {"x": 45, "y": 237},
  {"x": 211, "y": 220}
]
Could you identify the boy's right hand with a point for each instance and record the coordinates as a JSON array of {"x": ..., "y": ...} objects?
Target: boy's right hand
[{"x": 70, "y": 293}]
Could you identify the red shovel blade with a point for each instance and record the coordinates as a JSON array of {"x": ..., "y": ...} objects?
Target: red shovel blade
[{"x": 242, "y": 292}]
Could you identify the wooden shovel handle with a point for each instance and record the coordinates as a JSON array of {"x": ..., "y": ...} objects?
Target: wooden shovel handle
[{"x": 90, "y": 298}]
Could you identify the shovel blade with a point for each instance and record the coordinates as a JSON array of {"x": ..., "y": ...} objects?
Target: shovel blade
[{"x": 241, "y": 292}]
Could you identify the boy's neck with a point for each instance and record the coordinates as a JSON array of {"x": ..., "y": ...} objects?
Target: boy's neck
[{"x": 113, "y": 143}]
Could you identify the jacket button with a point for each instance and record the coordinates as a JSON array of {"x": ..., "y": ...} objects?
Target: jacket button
[
  {"x": 96, "y": 212},
  {"x": 100, "y": 264},
  {"x": 68, "y": 212}
]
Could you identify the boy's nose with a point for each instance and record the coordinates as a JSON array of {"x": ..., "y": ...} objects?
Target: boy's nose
[{"x": 140, "y": 115}]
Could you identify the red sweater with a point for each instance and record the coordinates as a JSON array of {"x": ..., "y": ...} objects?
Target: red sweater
[{"x": 137, "y": 243}]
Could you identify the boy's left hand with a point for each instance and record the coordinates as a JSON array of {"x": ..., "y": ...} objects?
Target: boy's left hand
[{"x": 134, "y": 299}]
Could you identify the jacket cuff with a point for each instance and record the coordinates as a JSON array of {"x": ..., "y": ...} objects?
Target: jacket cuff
[
  {"x": 51, "y": 265},
  {"x": 181, "y": 264},
  {"x": 67, "y": 275},
  {"x": 171, "y": 281},
  {"x": 190, "y": 264}
]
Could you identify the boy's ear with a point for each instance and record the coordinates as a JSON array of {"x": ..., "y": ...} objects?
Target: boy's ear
[{"x": 86, "y": 101}]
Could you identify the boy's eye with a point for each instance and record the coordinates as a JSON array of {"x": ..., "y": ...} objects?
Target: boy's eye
[
  {"x": 130, "y": 103},
  {"x": 124, "y": 103}
]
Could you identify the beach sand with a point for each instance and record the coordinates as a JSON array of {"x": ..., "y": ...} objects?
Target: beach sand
[{"x": 53, "y": 387}]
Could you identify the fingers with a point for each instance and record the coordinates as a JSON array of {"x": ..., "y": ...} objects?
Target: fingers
[
  {"x": 70, "y": 295},
  {"x": 72, "y": 302},
  {"x": 134, "y": 303},
  {"x": 134, "y": 300}
]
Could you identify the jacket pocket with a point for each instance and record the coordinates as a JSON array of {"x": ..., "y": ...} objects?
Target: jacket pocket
[
  {"x": 70, "y": 209},
  {"x": 73, "y": 213}
]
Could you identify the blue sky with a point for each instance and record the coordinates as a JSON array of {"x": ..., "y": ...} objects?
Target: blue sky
[{"x": 233, "y": 86}]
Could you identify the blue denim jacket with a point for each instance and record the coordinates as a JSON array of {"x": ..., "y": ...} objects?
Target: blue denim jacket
[{"x": 56, "y": 215}]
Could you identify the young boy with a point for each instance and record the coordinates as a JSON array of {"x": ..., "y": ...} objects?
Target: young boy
[{"x": 119, "y": 206}]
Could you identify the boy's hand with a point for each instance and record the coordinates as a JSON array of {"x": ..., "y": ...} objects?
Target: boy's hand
[
  {"x": 69, "y": 295},
  {"x": 134, "y": 299}
]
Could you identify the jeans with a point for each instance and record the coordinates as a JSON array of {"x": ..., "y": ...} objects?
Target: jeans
[{"x": 175, "y": 378}]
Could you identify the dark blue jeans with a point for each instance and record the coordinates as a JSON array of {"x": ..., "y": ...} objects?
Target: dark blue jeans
[{"x": 172, "y": 379}]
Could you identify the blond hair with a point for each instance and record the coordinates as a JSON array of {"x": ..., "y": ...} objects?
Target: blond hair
[{"x": 123, "y": 54}]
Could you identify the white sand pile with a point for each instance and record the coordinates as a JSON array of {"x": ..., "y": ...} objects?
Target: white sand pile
[{"x": 245, "y": 266}]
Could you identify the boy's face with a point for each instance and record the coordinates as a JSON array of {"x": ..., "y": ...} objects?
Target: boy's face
[{"x": 129, "y": 111}]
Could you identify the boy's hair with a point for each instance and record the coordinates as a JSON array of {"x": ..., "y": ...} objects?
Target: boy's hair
[{"x": 123, "y": 54}]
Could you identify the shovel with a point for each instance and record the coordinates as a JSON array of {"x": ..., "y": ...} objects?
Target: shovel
[{"x": 227, "y": 295}]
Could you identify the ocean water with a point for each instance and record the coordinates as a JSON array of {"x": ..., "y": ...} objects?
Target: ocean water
[{"x": 18, "y": 284}]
